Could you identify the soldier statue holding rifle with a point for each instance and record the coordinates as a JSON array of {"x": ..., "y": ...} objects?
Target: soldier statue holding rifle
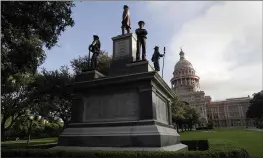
[
  {"x": 126, "y": 21},
  {"x": 95, "y": 49},
  {"x": 155, "y": 58}
]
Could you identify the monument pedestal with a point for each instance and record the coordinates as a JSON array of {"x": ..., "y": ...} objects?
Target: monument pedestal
[{"x": 127, "y": 110}]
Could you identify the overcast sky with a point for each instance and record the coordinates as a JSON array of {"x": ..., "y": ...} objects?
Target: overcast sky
[{"x": 222, "y": 40}]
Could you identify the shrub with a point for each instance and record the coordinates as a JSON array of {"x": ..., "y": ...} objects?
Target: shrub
[
  {"x": 230, "y": 152},
  {"x": 196, "y": 144}
]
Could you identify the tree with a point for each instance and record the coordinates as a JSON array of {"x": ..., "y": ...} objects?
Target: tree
[
  {"x": 26, "y": 28},
  {"x": 255, "y": 110},
  {"x": 15, "y": 101},
  {"x": 52, "y": 97},
  {"x": 183, "y": 114},
  {"x": 191, "y": 116},
  {"x": 178, "y": 112},
  {"x": 81, "y": 63}
]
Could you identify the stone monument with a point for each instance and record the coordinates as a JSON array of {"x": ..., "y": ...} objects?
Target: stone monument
[
  {"x": 127, "y": 110},
  {"x": 130, "y": 109}
]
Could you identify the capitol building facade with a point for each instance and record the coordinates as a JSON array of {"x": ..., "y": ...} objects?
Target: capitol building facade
[{"x": 226, "y": 113}]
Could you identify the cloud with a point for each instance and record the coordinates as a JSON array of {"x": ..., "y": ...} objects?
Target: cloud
[{"x": 222, "y": 40}]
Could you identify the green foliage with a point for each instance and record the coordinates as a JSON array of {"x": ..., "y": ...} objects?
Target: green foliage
[
  {"x": 52, "y": 95},
  {"x": 15, "y": 100},
  {"x": 81, "y": 63},
  {"x": 183, "y": 114},
  {"x": 26, "y": 28},
  {"x": 229, "y": 152},
  {"x": 194, "y": 145},
  {"x": 255, "y": 110},
  {"x": 39, "y": 129}
]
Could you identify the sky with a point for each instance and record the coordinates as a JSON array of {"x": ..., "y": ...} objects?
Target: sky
[{"x": 222, "y": 40}]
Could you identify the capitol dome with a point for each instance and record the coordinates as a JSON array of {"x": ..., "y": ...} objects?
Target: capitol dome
[
  {"x": 184, "y": 78},
  {"x": 183, "y": 64}
]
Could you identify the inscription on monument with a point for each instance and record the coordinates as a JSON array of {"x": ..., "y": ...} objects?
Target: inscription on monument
[
  {"x": 121, "y": 48},
  {"x": 161, "y": 109},
  {"x": 111, "y": 107}
]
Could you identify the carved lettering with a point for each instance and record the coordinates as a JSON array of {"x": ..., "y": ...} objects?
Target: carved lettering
[
  {"x": 161, "y": 109},
  {"x": 121, "y": 48},
  {"x": 112, "y": 107}
]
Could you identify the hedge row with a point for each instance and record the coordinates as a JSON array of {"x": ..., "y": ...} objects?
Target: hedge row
[
  {"x": 204, "y": 128},
  {"x": 194, "y": 145},
  {"x": 226, "y": 153}
]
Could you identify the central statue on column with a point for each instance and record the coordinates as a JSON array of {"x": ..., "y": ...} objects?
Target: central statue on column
[{"x": 126, "y": 20}]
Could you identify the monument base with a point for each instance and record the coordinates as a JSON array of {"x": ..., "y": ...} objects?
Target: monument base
[
  {"x": 116, "y": 135},
  {"x": 177, "y": 147}
]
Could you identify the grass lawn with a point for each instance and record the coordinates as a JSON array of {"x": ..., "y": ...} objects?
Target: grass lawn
[
  {"x": 23, "y": 143},
  {"x": 250, "y": 140}
]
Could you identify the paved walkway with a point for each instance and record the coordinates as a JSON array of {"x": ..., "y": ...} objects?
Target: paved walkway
[{"x": 255, "y": 129}]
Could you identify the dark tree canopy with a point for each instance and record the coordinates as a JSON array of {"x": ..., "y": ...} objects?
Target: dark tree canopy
[
  {"x": 26, "y": 29},
  {"x": 81, "y": 63},
  {"x": 52, "y": 97},
  {"x": 255, "y": 110},
  {"x": 28, "y": 26},
  {"x": 183, "y": 113}
]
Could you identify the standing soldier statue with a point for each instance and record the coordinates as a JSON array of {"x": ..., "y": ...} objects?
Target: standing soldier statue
[
  {"x": 155, "y": 58},
  {"x": 141, "y": 41},
  {"x": 126, "y": 21},
  {"x": 95, "y": 49}
]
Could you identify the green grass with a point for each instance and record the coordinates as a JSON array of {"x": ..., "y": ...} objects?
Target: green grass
[
  {"x": 252, "y": 141},
  {"x": 23, "y": 143}
]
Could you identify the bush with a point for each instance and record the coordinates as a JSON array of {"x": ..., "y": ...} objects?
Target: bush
[
  {"x": 194, "y": 145},
  {"x": 209, "y": 127},
  {"x": 223, "y": 153},
  {"x": 38, "y": 131}
]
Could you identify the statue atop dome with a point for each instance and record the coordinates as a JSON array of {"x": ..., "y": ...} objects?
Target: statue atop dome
[{"x": 181, "y": 54}]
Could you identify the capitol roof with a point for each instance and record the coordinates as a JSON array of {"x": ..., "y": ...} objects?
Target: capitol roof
[{"x": 182, "y": 63}]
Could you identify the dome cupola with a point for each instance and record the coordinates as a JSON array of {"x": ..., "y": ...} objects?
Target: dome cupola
[{"x": 184, "y": 78}]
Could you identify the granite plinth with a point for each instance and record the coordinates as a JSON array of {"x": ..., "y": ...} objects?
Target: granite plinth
[
  {"x": 119, "y": 68},
  {"x": 124, "y": 57},
  {"x": 120, "y": 136},
  {"x": 88, "y": 75},
  {"x": 129, "y": 111}
]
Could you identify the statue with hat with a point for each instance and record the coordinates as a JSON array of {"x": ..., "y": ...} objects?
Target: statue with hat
[
  {"x": 95, "y": 49},
  {"x": 126, "y": 21},
  {"x": 155, "y": 58},
  {"x": 141, "y": 40}
]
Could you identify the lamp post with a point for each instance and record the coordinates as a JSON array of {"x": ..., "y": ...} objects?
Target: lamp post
[{"x": 31, "y": 119}]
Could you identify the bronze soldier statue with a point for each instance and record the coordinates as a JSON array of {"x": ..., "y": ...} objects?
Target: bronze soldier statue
[
  {"x": 155, "y": 58},
  {"x": 95, "y": 49},
  {"x": 141, "y": 40},
  {"x": 126, "y": 21}
]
